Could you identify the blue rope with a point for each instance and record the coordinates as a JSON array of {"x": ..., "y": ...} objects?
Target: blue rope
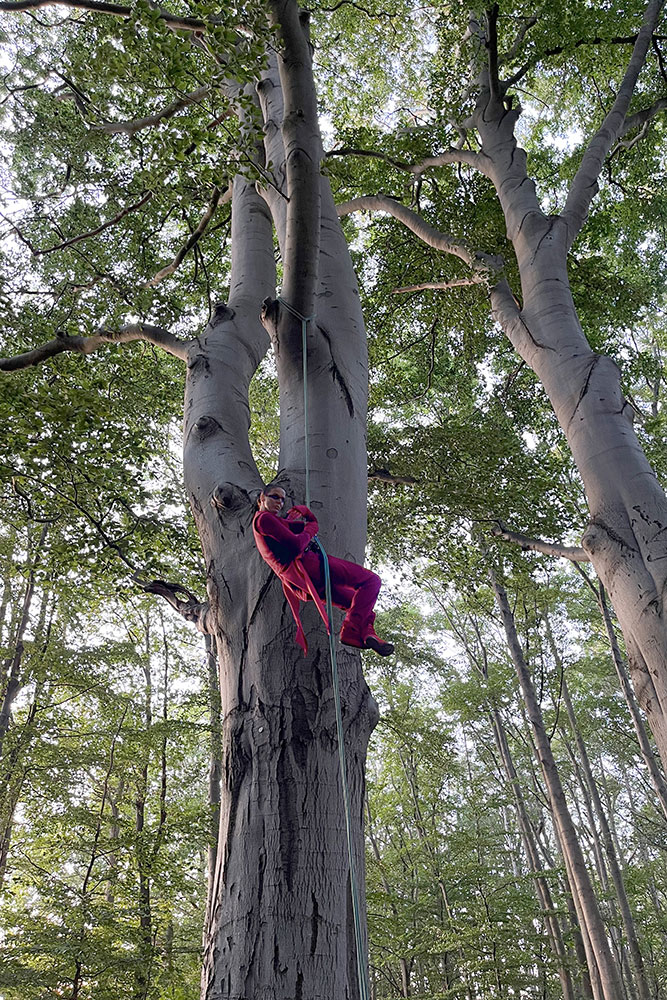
[{"x": 362, "y": 972}]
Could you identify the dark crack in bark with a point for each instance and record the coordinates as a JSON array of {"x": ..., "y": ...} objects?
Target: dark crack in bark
[{"x": 584, "y": 389}]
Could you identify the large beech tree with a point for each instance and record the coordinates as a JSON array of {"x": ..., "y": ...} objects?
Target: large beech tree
[
  {"x": 280, "y": 921},
  {"x": 626, "y": 536},
  {"x": 279, "y": 917}
]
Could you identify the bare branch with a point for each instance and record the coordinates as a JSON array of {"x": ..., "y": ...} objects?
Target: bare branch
[
  {"x": 102, "y": 7},
  {"x": 559, "y": 49},
  {"x": 87, "y": 345},
  {"x": 194, "y": 238},
  {"x": 585, "y": 184},
  {"x": 572, "y": 552},
  {"x": 424, "y": 230},
  {"x": 82, "y": 236},
  {"x": 384, "y": 476},
  {"x": 191, "y": 609},
  {"x": 441, "y": 285},
  {"x": 132, "y": 127},
  {"x": 441, "y": 160},
  {"x": 528, "y": 23},
  {"x": 375, "y": 154},
  {"x": 641, "y": 118},
  {"x": 450, "y": 156}
]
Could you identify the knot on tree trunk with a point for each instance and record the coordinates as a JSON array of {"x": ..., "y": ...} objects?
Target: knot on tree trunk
[{"x": 230, "y": 499}]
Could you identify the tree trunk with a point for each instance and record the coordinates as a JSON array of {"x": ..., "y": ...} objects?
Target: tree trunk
[
  {"x": 14, "y": 663},
  {"x": 599, "y": 954},
  {"x": 626, "y": 537},
  {"x": 657, "y": 776},
  {"x": 613, "y": 862},
  {"x": 280, "y": 919}
]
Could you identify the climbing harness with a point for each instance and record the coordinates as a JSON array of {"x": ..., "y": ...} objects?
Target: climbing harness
[{"x": 362, "y": 973}]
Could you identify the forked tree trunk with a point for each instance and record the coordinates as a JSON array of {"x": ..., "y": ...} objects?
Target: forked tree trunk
[
  {"x": 626, "y": 537},
  {"x": 280, "y": 923}
]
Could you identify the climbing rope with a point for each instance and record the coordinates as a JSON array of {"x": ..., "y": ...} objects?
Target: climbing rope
[{"x": 362, "y": 973}]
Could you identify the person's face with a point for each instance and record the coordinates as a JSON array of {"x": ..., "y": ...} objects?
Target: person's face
[{"x": 273, "y": 500}]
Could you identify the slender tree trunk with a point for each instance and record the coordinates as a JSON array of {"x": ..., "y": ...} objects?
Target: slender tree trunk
[
  {"x": 530, "y": 848},
  {"x": 13, "y": 666},
  {"x": 592, "y": 925}
]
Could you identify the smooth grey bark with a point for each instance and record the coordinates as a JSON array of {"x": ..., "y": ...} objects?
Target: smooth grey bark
[
  {"x": 215, "y": 764},
  {"x": 280, "y": 920},
  {"x": 599, "y": 954},
  {"x": 626, "y": 536},
  {"x": 657, "y": 776}
]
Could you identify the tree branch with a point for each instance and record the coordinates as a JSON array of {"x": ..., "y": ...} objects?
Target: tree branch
[
  {"x": 191, "y": 609},
  {"x": 102, "y": 7},
  {"x": 384, "y": 476},
  {"x": 424, "y": 230},
  {"x": 441, "y": 160},
  {"x": 87, "y": 345},
  {"x": 492, "y": 49},
  {"x": 132, "y": 127},
  {"x": 641, "y": 118},
  {"x": 194, "y": 238},
  {"x": 441, "y": 285},
  {"x": 82, "y": 236},
  {"x": 572, "y": 552},
  {"x": 585, "y": 184}
]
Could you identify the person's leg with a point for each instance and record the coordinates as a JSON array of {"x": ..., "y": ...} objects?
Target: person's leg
[{"x": 356, "y": 589}]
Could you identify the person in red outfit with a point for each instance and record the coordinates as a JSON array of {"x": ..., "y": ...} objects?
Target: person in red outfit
[{"x": 286, "y": 544}]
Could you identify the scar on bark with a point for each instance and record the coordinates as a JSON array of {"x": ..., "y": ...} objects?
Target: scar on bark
[
  {"x": 584, "y": 388},
  {"x": 336, "y": 373}
]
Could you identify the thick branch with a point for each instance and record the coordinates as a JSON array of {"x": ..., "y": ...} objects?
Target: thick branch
[
  {"x": 572, "y": 552},
  {"x": 426, "y": 232},
  {"x": 191, "y": 609},
  {"x": 640, "y": 118},
  {"x": 584, "y": 186},
  {"x": 194, "y": 238},
  {"x": 132, "y": 127},
  {"x": 102, "y": 7},
  {"x": 303, "y": 152},
  {"x": 87, "y": 345}
]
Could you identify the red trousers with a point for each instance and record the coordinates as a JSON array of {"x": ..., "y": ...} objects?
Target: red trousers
[{"x": 353, "y": 588}]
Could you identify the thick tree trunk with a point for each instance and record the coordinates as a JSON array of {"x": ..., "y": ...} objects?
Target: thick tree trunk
[
  {"x": 626, "y": 537},
  {"x": 280, "y": 924}
]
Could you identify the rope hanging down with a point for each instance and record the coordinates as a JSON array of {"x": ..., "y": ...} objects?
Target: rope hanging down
[{"x": 362, "y": 972}]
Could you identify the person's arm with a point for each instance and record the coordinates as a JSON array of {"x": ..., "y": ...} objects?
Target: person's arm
[{"x": 293, "y": 536}]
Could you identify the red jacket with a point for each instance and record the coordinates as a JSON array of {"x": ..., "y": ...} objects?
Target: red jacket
[{"x": 281, "y": 543}]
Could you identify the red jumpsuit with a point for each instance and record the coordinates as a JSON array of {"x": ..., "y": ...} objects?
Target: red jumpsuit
[{"x": 284, "y": 543}]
